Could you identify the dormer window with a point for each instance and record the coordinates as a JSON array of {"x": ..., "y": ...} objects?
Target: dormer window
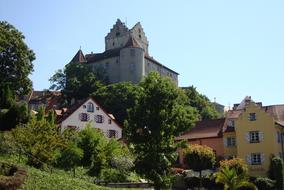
[
  {"x": 231, "y": 123},
  {"x": 90, "y": 107}
]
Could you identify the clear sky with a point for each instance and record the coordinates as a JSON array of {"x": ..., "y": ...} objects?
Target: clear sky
[{"x": 227, "y": 49}]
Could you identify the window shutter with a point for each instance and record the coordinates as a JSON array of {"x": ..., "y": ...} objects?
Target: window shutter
[
  {"x": 261, "y": 136},
  {"x": 96, "y": 118},
  {"x": 247, "y": 137},
  {"x": 262, "y": 157},
  {"x": 248, "y": 158},
  {"x": 225, "y": 142}
]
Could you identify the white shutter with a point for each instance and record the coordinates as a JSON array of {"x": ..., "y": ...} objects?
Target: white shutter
[
  {"x": 261, "y": 136},
  {"x": 247, "y": 137},
  {"x": 225, "y": 142},
  {"x": 262, "y": 157},
  {"x": 248, "y": 158}
]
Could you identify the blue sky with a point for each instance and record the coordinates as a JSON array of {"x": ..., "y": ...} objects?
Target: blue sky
[{"x": 227, "y": 49}]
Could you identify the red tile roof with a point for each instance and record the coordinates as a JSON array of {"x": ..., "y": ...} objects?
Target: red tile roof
[
  {"x": 204, "y": 129},
  {"x": 79, "y": 58}
]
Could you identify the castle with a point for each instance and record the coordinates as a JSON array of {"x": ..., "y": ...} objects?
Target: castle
[{"x": 126, "y": 56}]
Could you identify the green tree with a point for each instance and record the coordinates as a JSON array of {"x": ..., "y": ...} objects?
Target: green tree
[
  {"x": 15, "y": 60},
  {"x": 118, "y": 98},
  {"x": 7, "y": 98},
  {"x": 153, "y": 122},
  {"x": 199, "y": 158},
  {"x": 232, "y": 180},
  {"x": 276, "y": 172},
  {"x": 237, "y": 163},
  {"x": 76, "y": 81},
  {"x": 205, "y": 108}
]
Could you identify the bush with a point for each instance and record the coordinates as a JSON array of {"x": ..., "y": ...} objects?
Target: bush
[
  {"x": 238, "y": 164},
  {"x": 264, "y": 183},
  {"x": 276, "y": 172},
  {"x": 11, "y": 177},
  {"x": 7, "y": 143},
  {"x": 112, "y": 175}
]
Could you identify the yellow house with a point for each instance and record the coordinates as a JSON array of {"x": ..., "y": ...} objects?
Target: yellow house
[{"x": 254, "y": 133}]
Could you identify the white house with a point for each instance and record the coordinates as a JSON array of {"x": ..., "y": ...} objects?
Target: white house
[{"x": 90, "y": 112}]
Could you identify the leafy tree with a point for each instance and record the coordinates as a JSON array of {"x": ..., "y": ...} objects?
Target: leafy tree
[
  {"x": 205, "y": 108},
  {"x": 153, "y": 122},
  {"x": 239, "y": 164},
  {"x": 15, "y": 60},
  {"x": 39, "y": 140},
  {"x": 232, "y": 180},
  {"x": 7, "y": 97},
  {"x": 76, "y": 81},
  {"x": 118, "y": 98},
  {"x": 70, "y": 157},
  {"x": 276, "y": 172},
  {"x": 199, "y": 158}
]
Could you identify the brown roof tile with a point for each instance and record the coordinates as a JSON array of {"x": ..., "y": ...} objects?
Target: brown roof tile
[
  {"x": 79, "y": 57},
  {"x": 204, "y": 129}
]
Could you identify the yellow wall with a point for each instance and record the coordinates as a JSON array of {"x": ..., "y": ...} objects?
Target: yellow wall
[
  {"x": 267, "y": 147},
  {"x": 230, "y": 151}
]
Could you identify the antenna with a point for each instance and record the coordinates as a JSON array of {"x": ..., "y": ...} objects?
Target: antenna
[
  {"x": 80, "y": 47},
  {"x": 126, "y": 21}
]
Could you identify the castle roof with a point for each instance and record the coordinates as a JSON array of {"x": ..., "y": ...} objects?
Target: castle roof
[
  {"x": 79, "y": 57},
  {"x": 132, "y": 43}
]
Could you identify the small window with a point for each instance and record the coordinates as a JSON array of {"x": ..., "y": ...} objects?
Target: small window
[
  {"x": 131, "y": 66},
  {"x": 84, "y": 117},
  {"x": 255, "y": 159},
  {"x": 109, "y": 121},
  {"x": 99, "y": 118},
  {"x": 252, "y": 117},
  {"x": 84, "y": 106},
  {"x": 254, "y": 136},
  {"x": 113, "y": 43},
  {"x": 90, "y": 107},
  {"x": 107, "y": 65},
  {"x": 278, "y": 137},
  {"x": 112, "y": 133},
  {"x": 117, "y": 34},
  {"x": 231, "y": 123},
  {"x": 231, "y": 141},
  {"x": 140, "y": 36},
  {"x": 97, "y": 108}
]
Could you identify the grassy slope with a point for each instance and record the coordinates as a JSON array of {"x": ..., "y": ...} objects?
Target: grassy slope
[{"x": 57, "y": 180}]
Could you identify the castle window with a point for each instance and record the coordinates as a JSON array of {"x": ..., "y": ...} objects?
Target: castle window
[
  {"x": 107, "y": 65},
  {"x": 117, "y": 34},
  {"x": 252, "y": 117},
  {"x": 132, "y": 52},
  {"x": 139, "y": 35},
  {"x": 112, "y": 43},
  {"x": 131, "y": 66},
  {"x": 90, "y": 107}
]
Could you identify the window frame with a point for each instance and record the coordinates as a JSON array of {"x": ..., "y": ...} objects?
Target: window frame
[
  {"x": 254, "y": 137},
  {"x": 231, "y": 141},
  {"x": 99, "y": 118},
  {"x": 90, "y": 107},
  {"x": 256, "y": 159},
  {"x": 252, "y": 117}
]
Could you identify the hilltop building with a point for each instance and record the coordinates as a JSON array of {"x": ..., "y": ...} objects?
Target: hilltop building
[{"x": 126, "y": 56}]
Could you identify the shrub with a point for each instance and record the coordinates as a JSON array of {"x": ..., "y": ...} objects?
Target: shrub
[
  {"x": 264, "y": 183},
  {"x": 11, "y": 177},
  {"x": 276, "y": 172},
  {"x": 238, "y": 164},
  {"x": 112, "y": 175}
]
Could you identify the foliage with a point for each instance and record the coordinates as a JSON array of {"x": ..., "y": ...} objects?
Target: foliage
[
  {"x": 76, "y": 81},
  {"x": 198, "y": 158},
  {"x": 205, "y": 108},
  {"x": 70, "y": 157},
  {"x": 39, "y": 139},
  {"x": 16, "y": 114},
  {"x": 239, "y": 164},
  {"x": 153, "y": 122},
  {"x": 112, "y": 175},
  {"x": 232, "y": 180},
  {"x": 264, "y": 183},
  {"x": 7, "y": 143},
  {"x": 6, "y": 97},
  {"x": 15, "y": 60},
  {"x": 276, "y": 172},
  {"x": 118, "y": 98}
]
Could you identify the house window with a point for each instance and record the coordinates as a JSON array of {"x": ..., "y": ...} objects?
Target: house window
[
  {"x": 109, "y": 121},
  {"x": 278, "y": 137},
  {"x": 254, "y": 137},
  {"x": 132, "y": 52},
  {"x": 84, "y": 117},
  {"x": 231, "y": 141},
  {"x": 90, "y": 107},
  {"x": 255, "y": 159},
  {"x": 231, "y": 123},
  {"x": 97, "y": 108},
  {"x": 99, "y": 118},
  {"x": 252, "y": 117},
  {"x": 112, "y": 133}
]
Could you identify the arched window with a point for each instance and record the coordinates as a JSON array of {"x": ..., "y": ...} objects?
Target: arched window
[{"x": 90, "y": 107}]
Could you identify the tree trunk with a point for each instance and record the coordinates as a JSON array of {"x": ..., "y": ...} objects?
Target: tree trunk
[
  {"x": 200, "y": 180},
  {"x": 74, "y": 170}
]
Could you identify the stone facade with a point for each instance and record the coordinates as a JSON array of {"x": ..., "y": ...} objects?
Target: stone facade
[{"x": 126, "y": 56}]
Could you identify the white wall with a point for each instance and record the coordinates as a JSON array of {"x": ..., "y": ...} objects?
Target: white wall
[{"x": 74, "y": 120}]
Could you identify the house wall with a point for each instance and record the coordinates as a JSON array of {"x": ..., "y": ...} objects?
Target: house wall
[
  {"x": 73, "y": 120},
  {"x": 229, "y": 151},
  {"x": 267, "y": 146}
]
